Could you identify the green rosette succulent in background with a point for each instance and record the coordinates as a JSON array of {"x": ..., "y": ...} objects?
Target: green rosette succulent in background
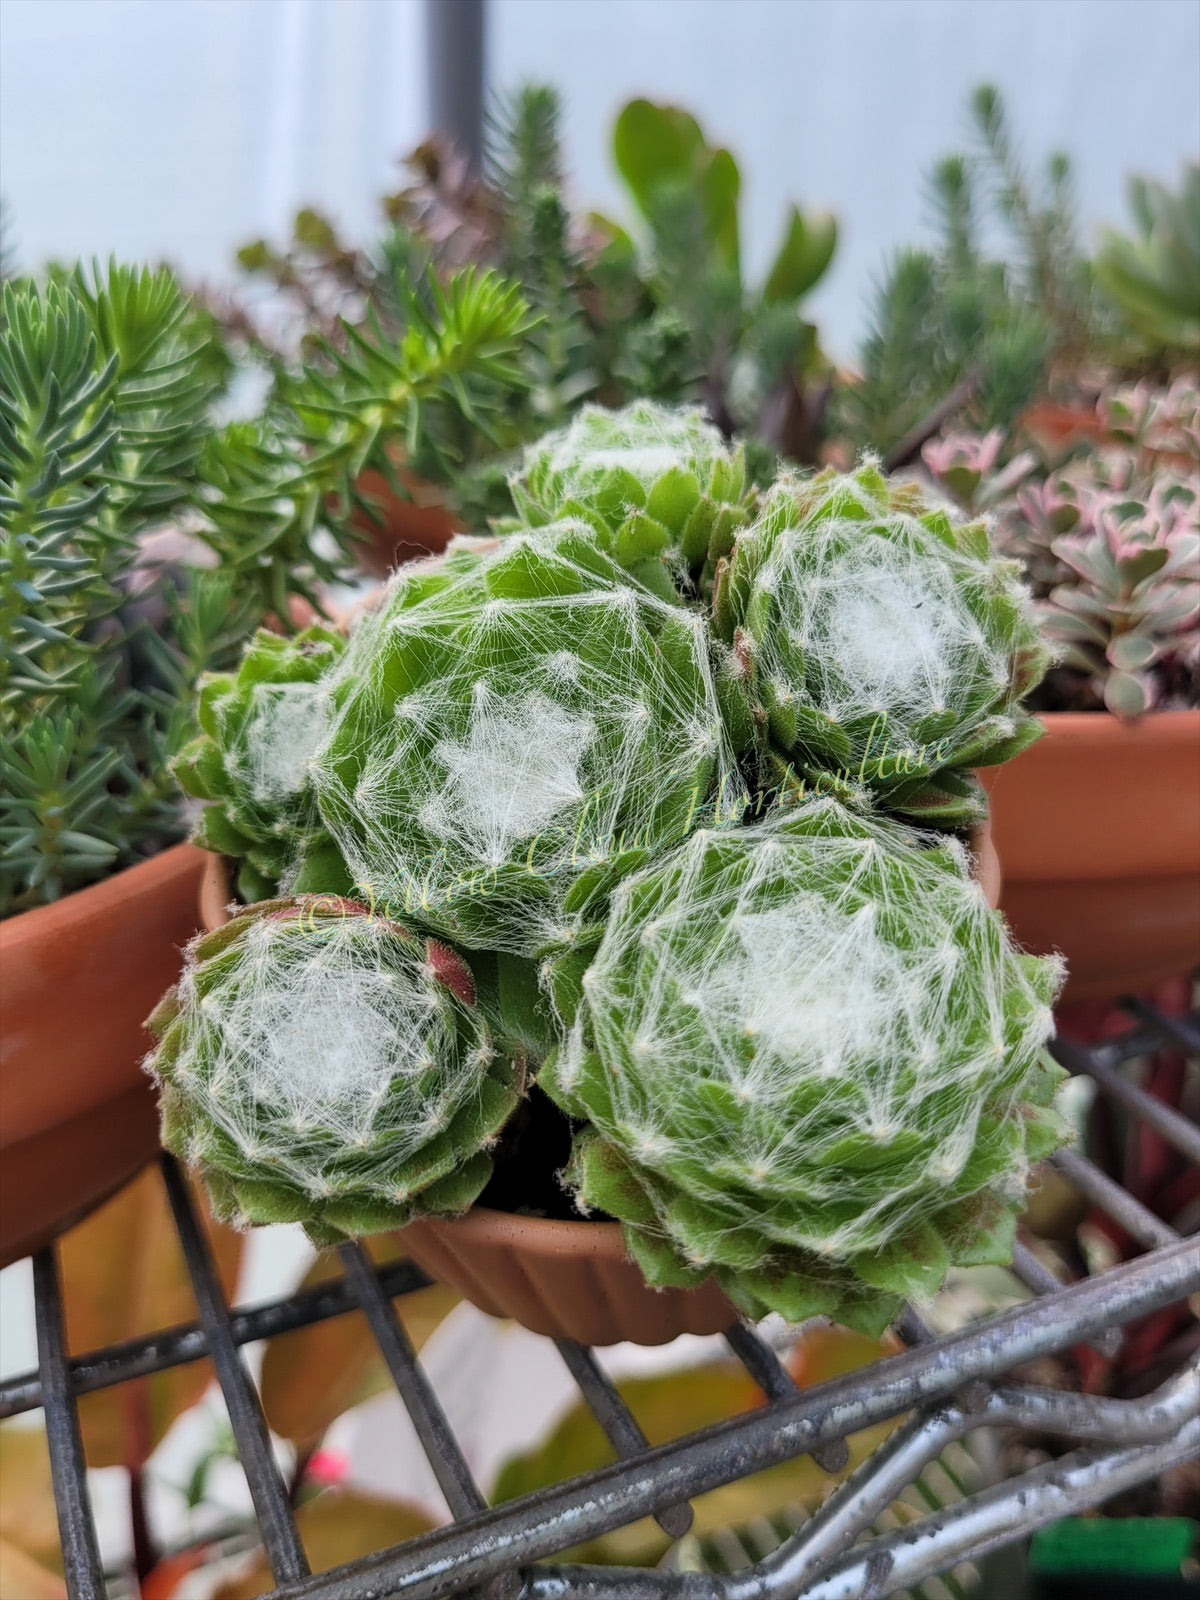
[
  {"x": 809, "y": 1062},
  {"x": 262, "y": 726},
  {"x": 660, "y": 487},
  {"x": 320, "y": 1065},
  {"x": 887, "y": 650},
  {"x": 514, "y": 730}
]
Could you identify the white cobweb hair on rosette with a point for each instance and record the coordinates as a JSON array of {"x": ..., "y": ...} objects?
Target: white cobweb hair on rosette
[
  {"x": 324, "y": 1066},
  {"x": 811, "y": 1063},
  {"x": 514, "y": 733},
  {"x": 888, "y": 647}
]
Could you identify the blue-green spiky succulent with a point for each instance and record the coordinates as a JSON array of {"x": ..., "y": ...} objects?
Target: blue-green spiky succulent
[
  {"x": 660, "y": 487},
  {"x": 323, "y": 1066},
  {"x": 809, "y": 1062},
  {"x": 887, "y": 650}
]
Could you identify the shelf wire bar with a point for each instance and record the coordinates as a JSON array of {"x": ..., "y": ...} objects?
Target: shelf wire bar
[
  {"x": 620, "y": 1426},
  {"x": 272, "y": 1508},
  {"x": 77, "y": 1528}
]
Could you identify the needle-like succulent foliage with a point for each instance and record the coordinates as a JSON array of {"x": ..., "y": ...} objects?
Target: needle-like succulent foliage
[
  {"x": 514, "y": 730},
  {"x": 320, "y": 1065},
  {"x": 261, "y": 727},
  {"x": 887, "y": 650},
  {"x": 811, "y": 1063},
  {"x": 660, "y": 487},
  {"x": 106, "y": 618}
]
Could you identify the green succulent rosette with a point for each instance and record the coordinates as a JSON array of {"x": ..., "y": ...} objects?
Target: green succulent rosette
[
  {"x": 810, "y": 1063},
  {"x": 658, "y": 485},
  {"x": 886, "y": 649},
  {"x": 320, "y": 1065},
  {"x": 260, "y": 728},
  {"x": 515, "y": 730}
]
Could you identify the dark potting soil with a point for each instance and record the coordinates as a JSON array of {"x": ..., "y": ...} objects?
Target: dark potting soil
[{"x": 532, "y": 1153}]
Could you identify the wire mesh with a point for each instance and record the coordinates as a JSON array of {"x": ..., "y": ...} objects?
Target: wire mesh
[{"x": 943, "y": 1387}]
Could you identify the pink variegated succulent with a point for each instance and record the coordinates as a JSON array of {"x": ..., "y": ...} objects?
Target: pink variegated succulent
[{"x": 1110, "y": 542}]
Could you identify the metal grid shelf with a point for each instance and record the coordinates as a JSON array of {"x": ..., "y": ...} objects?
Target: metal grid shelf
[{"x": 947, "y": 1385}]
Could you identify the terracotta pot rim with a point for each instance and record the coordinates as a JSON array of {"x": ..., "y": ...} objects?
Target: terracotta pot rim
[
  {"x": 550, "y": 1236},
  {"x": 96, "y": 900},
  {"x": 1176, "y": 725}
]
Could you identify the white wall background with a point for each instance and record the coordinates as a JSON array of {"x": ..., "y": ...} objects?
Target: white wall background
[{"x": 179, "y": 128}]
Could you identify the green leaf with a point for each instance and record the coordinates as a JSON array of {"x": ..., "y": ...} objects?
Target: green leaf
[{"x": 803, "y": 257}]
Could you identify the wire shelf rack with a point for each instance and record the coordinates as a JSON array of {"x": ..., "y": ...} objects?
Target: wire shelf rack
[{"x": 943, "y": 1387}]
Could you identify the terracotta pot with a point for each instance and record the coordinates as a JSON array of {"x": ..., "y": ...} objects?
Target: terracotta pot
[
  {"x": 77, "y": 1114},
  {"x": 409, "y": 530},
  {"x": 1098, "y": 831},
  {"x": 567, "y": 1280}
]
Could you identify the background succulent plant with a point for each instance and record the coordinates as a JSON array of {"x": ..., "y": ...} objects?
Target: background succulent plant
[
  {"x": 323, "y": 1066},
  {"x": 261, "y": 727},
  {"x": 1154, "y": 277},
  {"x": 511, "y": 731},
  {"x": 659, "y": 486},
  {"x": 809, "y": 1062},
  {"x": 887, "y": 651},
  {"x": 965, "y": 334},
  {"x": 1110, "y": 541},
  {"x": 108, "y": 611}
]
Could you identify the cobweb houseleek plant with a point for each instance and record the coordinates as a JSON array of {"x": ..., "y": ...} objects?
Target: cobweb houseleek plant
[
  {"x": 325, "y": 1066},
  {"x": 807, "y": 1059},
  {"x": 510, "y": 732},
  {"x": 887, "y": 650}
]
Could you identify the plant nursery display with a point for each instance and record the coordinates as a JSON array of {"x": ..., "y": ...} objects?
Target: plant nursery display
[
  {"x": 1107, "y": 529},
  {"x": 620, "y": 888},
  {"x": 117, "y": 591}
]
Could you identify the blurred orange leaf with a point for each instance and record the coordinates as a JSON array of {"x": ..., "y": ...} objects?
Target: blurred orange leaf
[
  {"x": 337, "y": 1526},
  {"x": 28, "y": 1524},
  {"x": 312, "y": 1375},
  {"x": 21, "y": 1576},
  {"x": 124, "y": 1275}
]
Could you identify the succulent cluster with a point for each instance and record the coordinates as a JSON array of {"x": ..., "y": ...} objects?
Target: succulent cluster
[
  {"x": 323, "y": 1066},
  {"x": 799, "y": 1052},
  {"x": 886, "y": 650},
  {"x": 1109, "y": 540},
  {"x": 809, "y": 1062}
]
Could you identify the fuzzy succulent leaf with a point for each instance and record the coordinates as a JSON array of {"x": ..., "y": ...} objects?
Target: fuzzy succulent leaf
[
  {"x": 810, "y": 1063},
  {"x": 887, "y": 652},
  {"x": 512, "y": 731},
  {"x": 322, "y": 1066},
  {"x": 261, "y": 727},
  {"x": 659, "y": 486}
]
